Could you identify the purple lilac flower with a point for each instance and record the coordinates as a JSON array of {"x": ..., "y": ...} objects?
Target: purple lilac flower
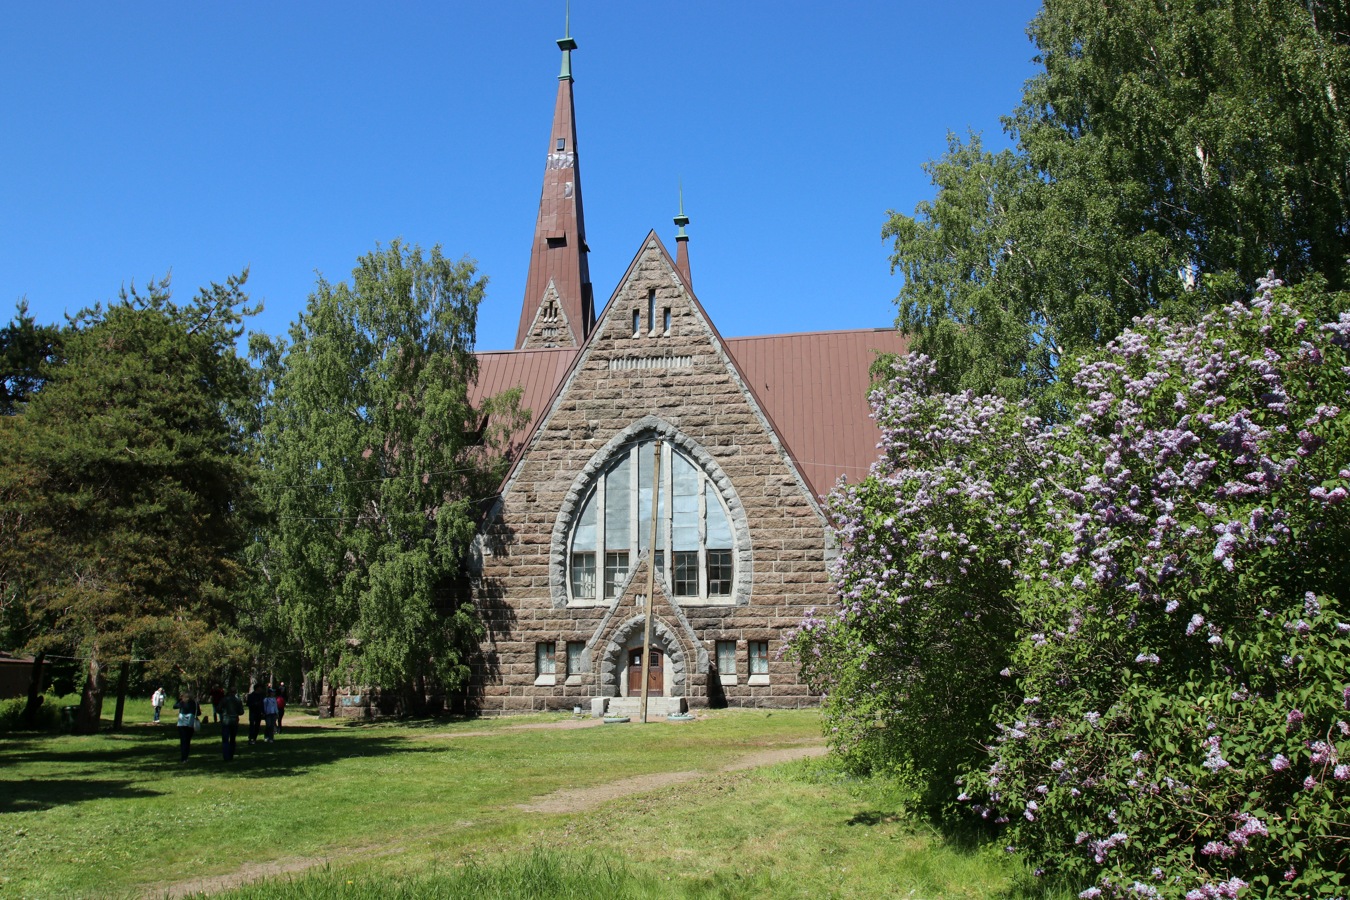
[
  {"x": 1294, "y": 718},
  {"x": 1219, "y": 849},
  {"x": 1279, "y": 763},
  {"x": 1323, "y": 753}
]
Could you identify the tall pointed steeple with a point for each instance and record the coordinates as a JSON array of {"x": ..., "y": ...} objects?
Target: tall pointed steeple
[
  {"x": 559, "y": 309},
  {"x": 682, "y": 244}
]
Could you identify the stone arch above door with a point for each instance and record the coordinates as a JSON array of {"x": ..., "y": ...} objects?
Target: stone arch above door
[{"x": 613, "y": 660}]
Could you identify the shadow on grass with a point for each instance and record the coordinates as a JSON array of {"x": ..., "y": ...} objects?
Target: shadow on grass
[
  {"x": 153, "y": 752},
  {"x": 35, "y": 795}
]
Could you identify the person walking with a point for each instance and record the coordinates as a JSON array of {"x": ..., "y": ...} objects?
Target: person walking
[
  {"x": 157, "y": 702},
  {"x": 255, "y": 713},
  {"x": 281, "y": 704},
  {"x": 228, "y": 712},
  {"x": 189, "y": 721},
  {"x": 270, "y": 714},
  {"x": 217, "y": 697}
]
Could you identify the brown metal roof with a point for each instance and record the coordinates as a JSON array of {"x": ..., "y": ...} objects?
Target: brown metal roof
[
  {"x": 536, "y": 372},
  {"x": 814, "y": 387}
]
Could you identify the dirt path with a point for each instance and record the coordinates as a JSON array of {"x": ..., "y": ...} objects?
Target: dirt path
[
  {"x": 581, "y": 799},
  {"x": 562, "y": 801}
]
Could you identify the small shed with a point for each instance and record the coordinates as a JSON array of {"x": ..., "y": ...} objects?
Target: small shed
[{"x": 16, "y": 673}]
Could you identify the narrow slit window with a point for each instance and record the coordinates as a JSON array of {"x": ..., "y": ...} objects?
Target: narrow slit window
[
  {"x": 665, "y": 320},
  {"x": 637, "y": 322},
  {"x": 651, "y": 311}
]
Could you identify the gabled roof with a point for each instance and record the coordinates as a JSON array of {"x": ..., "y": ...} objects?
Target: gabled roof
[
  {"x": 536, "y": 372},
  {"x": 814, "y": 386}
]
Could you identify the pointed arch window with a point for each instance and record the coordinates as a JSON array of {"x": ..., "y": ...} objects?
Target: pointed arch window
[{"x": 613, "y": 528}]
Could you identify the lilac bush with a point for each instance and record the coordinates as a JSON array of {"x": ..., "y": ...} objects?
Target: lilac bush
[
  {"x": 1169, "y": 570},
  {"x": 908, "y": 662}
]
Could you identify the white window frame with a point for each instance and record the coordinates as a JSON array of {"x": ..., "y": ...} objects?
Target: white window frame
[
  {"x": 546, "y": 662},
  {"x": 723, "y": 675},
  {"x": 751, "y": 657}
]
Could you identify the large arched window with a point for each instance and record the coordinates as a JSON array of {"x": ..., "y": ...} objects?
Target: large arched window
[{"x": 613, "y": 528}]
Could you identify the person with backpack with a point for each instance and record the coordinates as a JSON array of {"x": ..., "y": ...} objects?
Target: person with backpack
[
  {"x": 281, "y": 704},
  {"x": 228, "y": 712},
  {"x": 189, "y": 723},
  {"x": 270, "y": 714}
]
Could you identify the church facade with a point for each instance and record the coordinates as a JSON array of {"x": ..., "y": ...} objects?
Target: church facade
[{"x": 657, "y": 453}]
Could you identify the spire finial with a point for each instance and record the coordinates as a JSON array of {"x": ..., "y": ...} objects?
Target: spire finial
[
  {"x": 567, "y": 45},
  {"x": 681, "y": 220},
  {"x": 682, "y": 243}
]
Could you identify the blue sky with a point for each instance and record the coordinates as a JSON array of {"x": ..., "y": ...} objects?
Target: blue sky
[{"x": 292, "y": 137}]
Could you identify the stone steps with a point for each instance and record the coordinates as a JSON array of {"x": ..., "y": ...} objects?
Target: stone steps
[{"x": 657, "y": 707}]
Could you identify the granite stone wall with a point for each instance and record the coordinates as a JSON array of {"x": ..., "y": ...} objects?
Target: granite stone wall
[{"x": 680, "y": 385}]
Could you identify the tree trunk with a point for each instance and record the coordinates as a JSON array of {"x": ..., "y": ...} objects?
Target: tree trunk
[
  {"x": 30, "y": 711},
  {"x": 91, "y": 701},
  {"x": 123, "y": 678}
]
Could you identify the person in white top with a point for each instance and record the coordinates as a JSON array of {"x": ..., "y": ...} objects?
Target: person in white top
[{"x": 157, "y": 701}]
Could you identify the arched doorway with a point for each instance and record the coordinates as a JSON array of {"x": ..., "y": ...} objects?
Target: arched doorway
[
  {"x": 622, "y": 655},
  {"x": 656, "y": 678}
]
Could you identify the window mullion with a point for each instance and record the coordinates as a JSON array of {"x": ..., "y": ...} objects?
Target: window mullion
[
  {"x": 668, "y": 523},
  {"x": 702, "y": 535},
  {"x": 635, "y": 489}
]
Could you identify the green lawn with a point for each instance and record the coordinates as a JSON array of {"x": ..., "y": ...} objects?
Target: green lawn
[{"x": 435, "y": 809}]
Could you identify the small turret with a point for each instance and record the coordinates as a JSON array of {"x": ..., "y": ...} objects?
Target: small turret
[{"x": 682, "y": 244}]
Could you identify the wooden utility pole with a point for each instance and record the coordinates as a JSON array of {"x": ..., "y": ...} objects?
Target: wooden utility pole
[{"x": 651, "y": 577}]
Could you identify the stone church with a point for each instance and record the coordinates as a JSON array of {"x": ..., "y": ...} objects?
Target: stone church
[{"x": 751, "y": 433}]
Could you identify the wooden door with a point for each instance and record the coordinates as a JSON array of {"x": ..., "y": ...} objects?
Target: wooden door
[{"x": 656, "y": 682}]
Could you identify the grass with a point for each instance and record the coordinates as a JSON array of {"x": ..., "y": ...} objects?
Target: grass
[{"x": 431, "y": 809}]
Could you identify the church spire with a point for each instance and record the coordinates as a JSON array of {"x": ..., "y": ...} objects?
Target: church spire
[
  {"x": 682, "y": 244},
  {"x": 559, "y": 310}
]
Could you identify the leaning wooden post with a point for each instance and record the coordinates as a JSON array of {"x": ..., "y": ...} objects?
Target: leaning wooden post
[{"x": 651, "y": 578}]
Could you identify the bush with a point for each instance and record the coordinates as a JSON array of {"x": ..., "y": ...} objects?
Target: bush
[
  {"x": 1171, "y": 721},
  {"x": 11, "y": 715}
]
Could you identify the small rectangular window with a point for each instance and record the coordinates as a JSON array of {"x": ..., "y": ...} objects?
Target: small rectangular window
[
  {"x": 726, "y": 661},
  {"x": 583, "y": 576},
  {"x": 637, "y": 322},
  {"x": 574, "y": 649},
  {"x": 562, "y": 143},
  {"x": 759, "y": 658},
  {"x": 544, "y": 662},
  {"x": 686, "y": 573},
  {"x": 719, "y": 573},
  {"x": 616, "y": 570},
  {"x": 651, "y": 311},
  {"x": 665, "y": 319}
]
